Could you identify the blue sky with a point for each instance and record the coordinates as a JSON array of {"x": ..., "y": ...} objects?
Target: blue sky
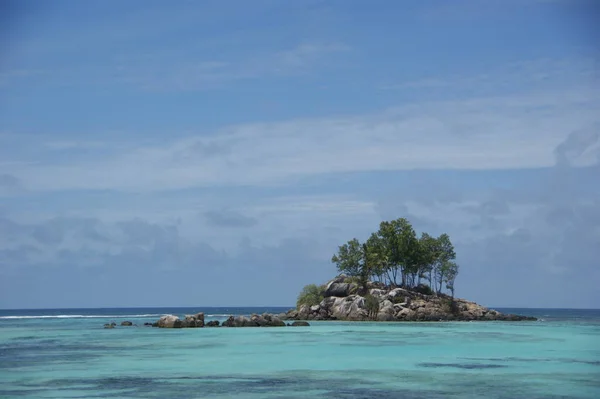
[{"x": 216, "y": 153}]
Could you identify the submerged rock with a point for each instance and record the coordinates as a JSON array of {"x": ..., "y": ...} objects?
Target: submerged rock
[
  {"x": 300, "y": 324},
  {"x": 126, "y": 323}
]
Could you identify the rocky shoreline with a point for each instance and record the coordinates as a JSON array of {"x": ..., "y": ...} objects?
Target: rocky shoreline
[
  {"x": 197, "y": 321},
  {"x": 341, "y": 301}
]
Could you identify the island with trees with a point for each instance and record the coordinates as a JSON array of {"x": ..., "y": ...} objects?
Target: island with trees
[{"x": 394, "y": 275}]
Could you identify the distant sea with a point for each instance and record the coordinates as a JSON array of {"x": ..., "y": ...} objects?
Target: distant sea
[{"x": 66, "y": 353}]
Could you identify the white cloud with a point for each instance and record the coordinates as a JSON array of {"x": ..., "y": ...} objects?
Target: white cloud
[{"x": 508, "y": 132}]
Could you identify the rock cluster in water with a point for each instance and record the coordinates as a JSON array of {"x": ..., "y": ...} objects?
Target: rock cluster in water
[
  {"x": 197, "y": 320},
  {"x": 342, "y": 302}
]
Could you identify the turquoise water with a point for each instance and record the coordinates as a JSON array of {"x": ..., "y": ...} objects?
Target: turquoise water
[{"x": 68, "y": 354}]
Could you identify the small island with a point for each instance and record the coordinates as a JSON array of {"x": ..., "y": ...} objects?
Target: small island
[{"x": 394, "y": 275}]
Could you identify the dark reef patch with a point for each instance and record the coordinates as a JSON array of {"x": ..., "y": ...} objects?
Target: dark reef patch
[
  {"x": 465, "y": 366},
  {"x": 297, "y": 384}
]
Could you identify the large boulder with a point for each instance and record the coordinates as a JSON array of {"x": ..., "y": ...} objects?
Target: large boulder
[
  {"x": 303, "y": 312},
  {"x": 350, "y": 308},
  {"x": 291, "y": 314},
  {"x": 340, "y": 289},
  {"x": 398, "y": 294},
  {"x": 405, "y": 314},
  {"x": 239, "y": 321},
  {"x": 243, "y": 321},
  {"x": 267, "y": 320},
  {"x": 386, "y": 311},
  {"x": 327, "y": 303},
  {"x": 212, "y": 323},
  {"x": 169, "y": 321},
  {"x": 192, "y": 321},
  {"x": 378, "y": 293},
  {"x": 230, "y": 322}
]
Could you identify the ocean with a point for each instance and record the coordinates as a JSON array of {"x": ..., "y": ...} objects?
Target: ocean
[{"x": 66, "y": 353}]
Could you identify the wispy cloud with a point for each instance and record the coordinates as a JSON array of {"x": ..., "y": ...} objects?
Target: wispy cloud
[
  {"x": 519, "y": 131},
  {"x": 205, "y": 74},
  {"x": 164, "y": 71},
  {"x": 534, "y": 73}
]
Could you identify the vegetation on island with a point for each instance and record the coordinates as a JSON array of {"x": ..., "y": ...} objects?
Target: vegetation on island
[
  {"x": 310, "y": 295},
  {"x": 395, "y": 256}
]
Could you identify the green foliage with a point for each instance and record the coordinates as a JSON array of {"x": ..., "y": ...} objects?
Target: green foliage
[
  {"x": 400, "y": 245},
  {"x": 372, "y": 306},
  {"x": 352, "y": 280},
  {"x": 451, "y": 271},
  {"x": 396, "y": 256},
  {"x": 348, "y": 259},
  {"x": 424, "y": 289},
  {"x": 311, "y": 295}
]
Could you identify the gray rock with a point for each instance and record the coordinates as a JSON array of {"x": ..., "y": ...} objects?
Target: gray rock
[
  {"x": 291, "y": 314},
  {"x": 169, "y": 321},
  {"x": 126, "y": 323},
  {"x": 327, "y": 303},
  {"x": 386, "y": 311},
  {"x": 193, "y": 321},
  {"x": 376, "y": 292},
  {"x": 239, "y": 321},
  {"x": 303, "y": 312},
  {"x": 212, "y": 323},
  {"x": 340, "y": 289},
  {"x": 300, "y": 324}
]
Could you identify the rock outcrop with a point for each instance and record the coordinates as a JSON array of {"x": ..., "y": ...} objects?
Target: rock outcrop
[
  {"x": 197, "y": 320},
  {"x": 342, "y": 302},
  {"x": 190, "y": 321},
  {"x": 264, "y": 320}
]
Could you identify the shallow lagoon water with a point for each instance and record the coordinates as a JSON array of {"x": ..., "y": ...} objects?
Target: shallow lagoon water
[{"x": 63, "y": 355}]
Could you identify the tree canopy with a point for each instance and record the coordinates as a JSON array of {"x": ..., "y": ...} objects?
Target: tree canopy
[{"x": 395, "y": 256}]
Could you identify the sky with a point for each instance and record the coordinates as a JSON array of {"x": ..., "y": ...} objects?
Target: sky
[{"x": 217, "y": 153}]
